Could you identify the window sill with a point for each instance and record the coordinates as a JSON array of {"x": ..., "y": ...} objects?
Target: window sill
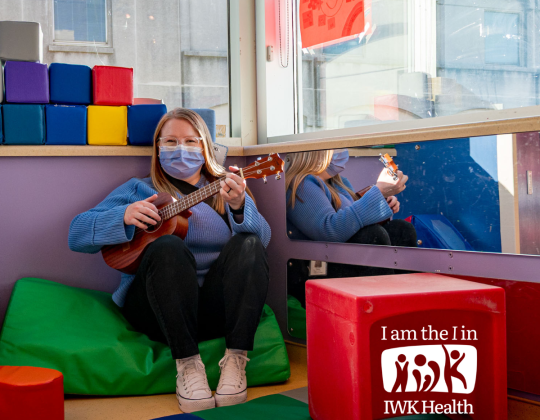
[
  {"x": 49, "y": 150},
  {"x": 81, "y": 49},
  {"x": 88, "y": 150}
]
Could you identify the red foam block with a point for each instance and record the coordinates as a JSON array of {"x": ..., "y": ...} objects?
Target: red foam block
[
  {"x": 29, "y": 393},
  {"x": 390, "y": 346},
  {"x": 112, "y": 85}
]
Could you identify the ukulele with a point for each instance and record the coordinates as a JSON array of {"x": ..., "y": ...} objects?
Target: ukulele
[
  {"x": 174, "y": 214},
  {"x": 392, "y": 169}
]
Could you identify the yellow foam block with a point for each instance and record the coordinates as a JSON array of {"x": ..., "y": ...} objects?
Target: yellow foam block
[{"x": 107, "y": 125}]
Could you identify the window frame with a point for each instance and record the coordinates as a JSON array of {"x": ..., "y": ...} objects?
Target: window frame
[{"x": 82, "y": 46}]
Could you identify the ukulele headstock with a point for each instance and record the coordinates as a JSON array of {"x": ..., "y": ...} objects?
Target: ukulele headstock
[
  {"x": 390, "y": 165},
  {"x": 263, "y": 167}
]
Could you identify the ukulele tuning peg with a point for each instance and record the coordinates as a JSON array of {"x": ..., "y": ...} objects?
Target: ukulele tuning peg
[
  {"x": 265, "y": 180},
  {"x": 278, "y": 177},
  {"x": 259, "y": 158}
]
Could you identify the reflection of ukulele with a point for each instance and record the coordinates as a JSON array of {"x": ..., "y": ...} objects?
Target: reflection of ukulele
[
  {"x": 390, "y": 165},
  {"x": 392, "y": 169},
  {"x": 174, "y": 215}
]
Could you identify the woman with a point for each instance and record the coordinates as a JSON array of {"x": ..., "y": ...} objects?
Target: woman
[
  {"x": 322, "y": 206},
  {"x": 211, "y": 284}
]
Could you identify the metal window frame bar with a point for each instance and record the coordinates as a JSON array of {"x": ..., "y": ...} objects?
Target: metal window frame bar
[{"x": 243, "y": 71}]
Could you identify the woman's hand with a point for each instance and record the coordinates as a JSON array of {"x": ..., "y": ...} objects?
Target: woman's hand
[
  {"x": 393, "y": 203},
  {"x": 142, "y": 211},
  {"x": 233, "y": 189},
  {"x": 388, "y": 186}
]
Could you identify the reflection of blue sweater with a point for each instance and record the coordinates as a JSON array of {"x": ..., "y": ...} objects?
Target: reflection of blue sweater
[
  {"x": 207, "y": 235},
  {"x": 313, "y": 216}
]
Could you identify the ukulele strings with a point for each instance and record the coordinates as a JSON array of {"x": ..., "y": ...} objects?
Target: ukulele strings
[
  {"x": 196, "y": 197},
  {"x": 192, "y": 199}
]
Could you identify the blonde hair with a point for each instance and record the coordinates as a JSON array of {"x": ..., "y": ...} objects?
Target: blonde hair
[
  {"x": 313, "y": 163},
  {"x": 211, "y": 169}
]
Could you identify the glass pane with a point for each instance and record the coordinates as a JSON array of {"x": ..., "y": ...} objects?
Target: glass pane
[
  {"x": 418, "y": 59},
  {"x": 178, "y": 49},
  {"x": 502, "y": 38},
  {"x": 80, "y": 20}
]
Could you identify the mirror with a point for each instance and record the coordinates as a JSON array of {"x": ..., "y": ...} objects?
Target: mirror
[{"x": 471, "y": 194}]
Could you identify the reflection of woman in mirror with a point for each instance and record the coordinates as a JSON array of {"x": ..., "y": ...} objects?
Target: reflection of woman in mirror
[{"x": 322, "y": 206}]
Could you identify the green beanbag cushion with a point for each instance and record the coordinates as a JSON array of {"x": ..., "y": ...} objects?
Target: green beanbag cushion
[
  {"x": 296, "y": 318},
  {"x": 83, "y": 334}
]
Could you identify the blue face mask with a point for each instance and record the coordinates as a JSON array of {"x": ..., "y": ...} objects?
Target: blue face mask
[
  {"x": 339, "y": 160},
  {"x": 181, "y": 162}
]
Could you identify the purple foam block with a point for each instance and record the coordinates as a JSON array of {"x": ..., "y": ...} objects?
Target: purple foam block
[{"x": 26, "y": 82}]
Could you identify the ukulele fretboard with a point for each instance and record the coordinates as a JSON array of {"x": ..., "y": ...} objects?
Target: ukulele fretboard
[{"x": 190, "y": 200}]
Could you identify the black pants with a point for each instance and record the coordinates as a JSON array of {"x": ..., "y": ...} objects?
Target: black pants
[
  {"x": 166, "y": 303},
  {"x": 395, "y": 232}
]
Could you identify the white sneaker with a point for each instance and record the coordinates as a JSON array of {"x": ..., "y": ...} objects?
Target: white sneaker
[
  {"x": 192, "y": 388},
  {"x": 232, "y": 387}
]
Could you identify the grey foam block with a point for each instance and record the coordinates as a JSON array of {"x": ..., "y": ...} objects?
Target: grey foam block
[{"x": 21, "y": 41}]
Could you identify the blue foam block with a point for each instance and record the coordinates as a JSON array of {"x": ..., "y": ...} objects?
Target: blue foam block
[
  {"x": 24, "y": 124},
  {"x": 142, "y": 122},
  {"x": 66, "y": 124},
  {"x": 1, "y": 127},
  {"x": 209, "y": 117},
  {"x": 70, "y": 84}
]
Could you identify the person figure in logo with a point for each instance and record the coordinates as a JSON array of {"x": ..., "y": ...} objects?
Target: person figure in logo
[
  {"x": 420, "y": 360},
  {"x": 451, "y": 370},
  {"x": 402, "y": 374}
]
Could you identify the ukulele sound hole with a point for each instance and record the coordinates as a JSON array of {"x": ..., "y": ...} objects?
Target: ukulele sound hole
[{"x": 153, "y": 228}]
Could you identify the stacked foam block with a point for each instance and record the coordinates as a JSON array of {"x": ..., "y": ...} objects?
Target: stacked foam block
[{"x": 66, "y": 104}]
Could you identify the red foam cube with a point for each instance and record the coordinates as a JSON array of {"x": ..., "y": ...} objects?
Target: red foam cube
[
  {"x": 112, "y": 85},
  {"x": 390, "y": 346},
  {"x": 29, "y": 393}
]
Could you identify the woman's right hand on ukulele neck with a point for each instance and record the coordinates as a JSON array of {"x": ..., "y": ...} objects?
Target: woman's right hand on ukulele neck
[
  {"x": 142, "y": 211},
  {"x": 388, "y": 186}
]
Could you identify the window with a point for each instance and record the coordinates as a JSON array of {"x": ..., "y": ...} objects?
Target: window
[
  {"x": 179, "y": 50},
  {"x": 417, "y": 59},
  {"x": 80, "y": 21},
  {"x": 502, "y": 38}
]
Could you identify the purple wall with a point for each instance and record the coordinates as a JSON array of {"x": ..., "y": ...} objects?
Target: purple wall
[
  {"x": 362, "y": 171},
  {"x": 41, "y": 195},
  {"x": 39, "y": 198}
]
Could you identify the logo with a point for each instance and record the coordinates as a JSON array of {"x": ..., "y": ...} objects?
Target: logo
[{"x": 434, "y": 368}]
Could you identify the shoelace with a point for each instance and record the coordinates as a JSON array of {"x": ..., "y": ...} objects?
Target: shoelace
[
  {"x": 231, "y": 372},
  {"x": 193, "y": 371}
]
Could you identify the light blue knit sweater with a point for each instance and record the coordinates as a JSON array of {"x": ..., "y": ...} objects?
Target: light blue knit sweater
[
  {"x": 207, "y": 235},
  {"x": 313, "y": 216}
]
